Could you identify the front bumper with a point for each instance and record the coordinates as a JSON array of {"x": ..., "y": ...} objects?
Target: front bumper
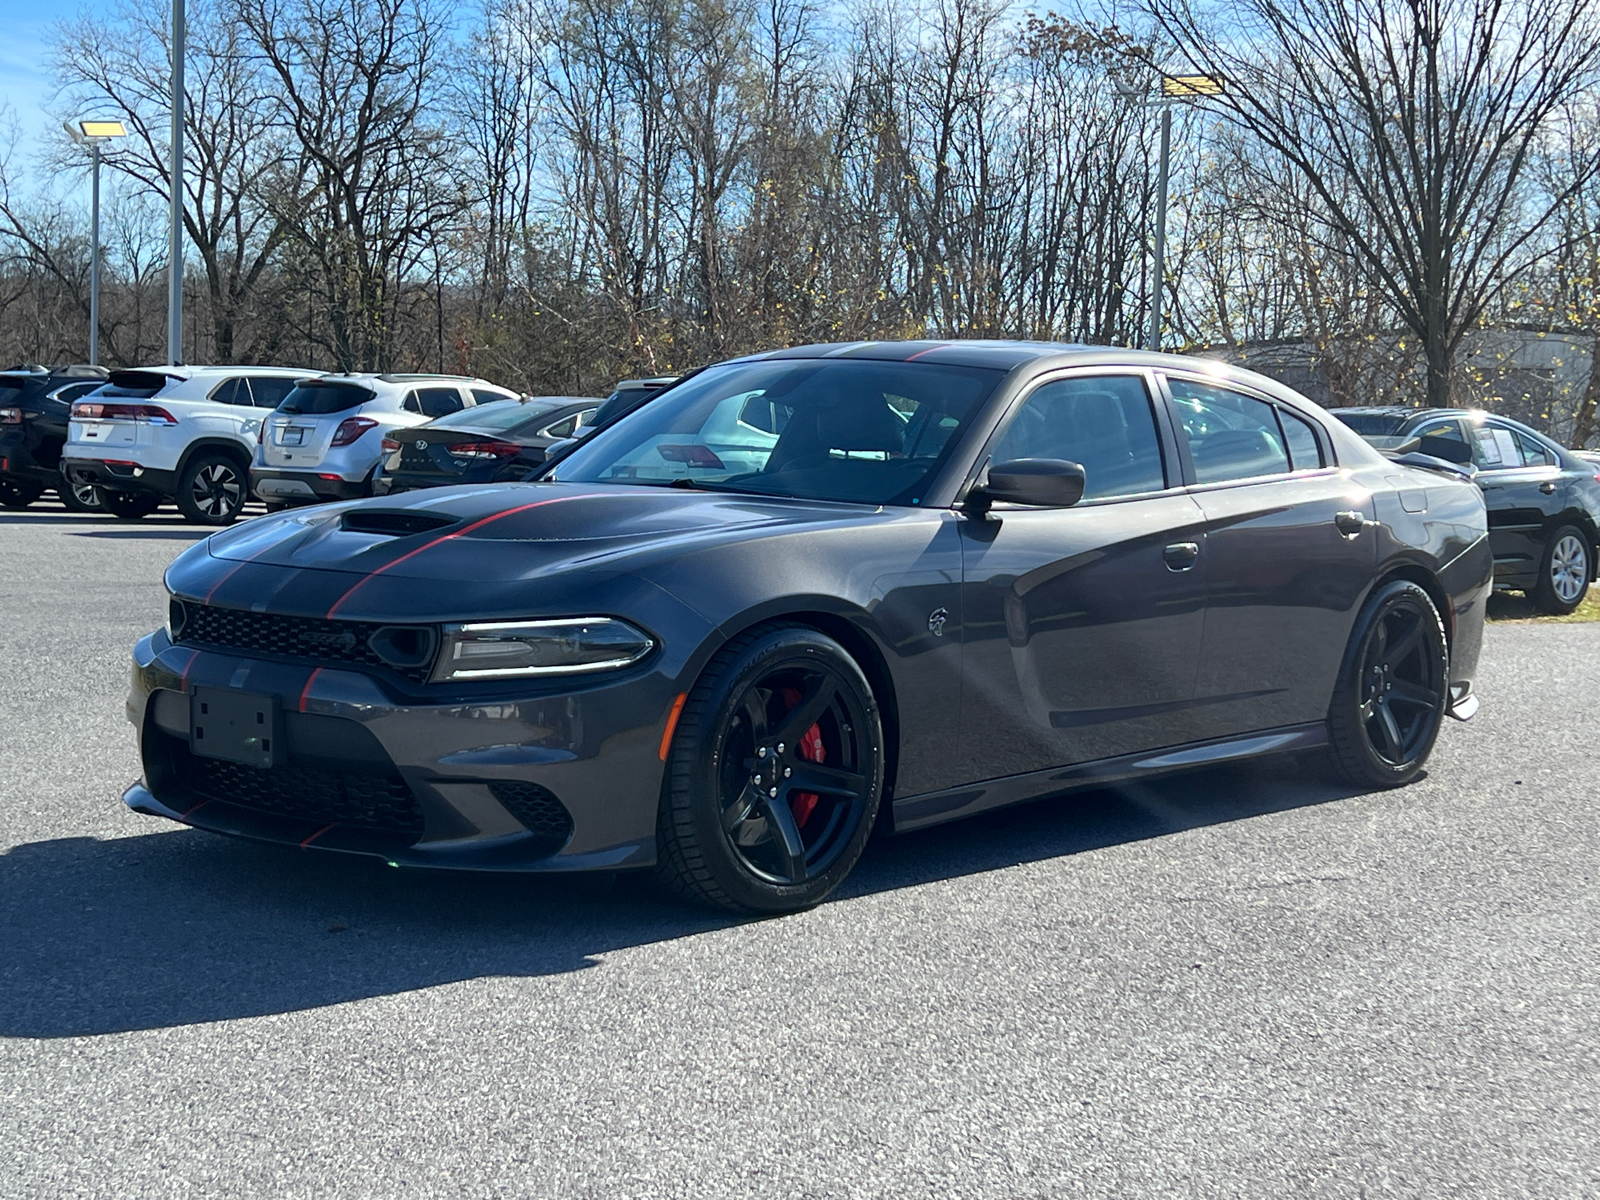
[
  {"x": 120, "y": 475},
  {"x": 304, "y": 487},
  {"x": 449, "y": 784}
]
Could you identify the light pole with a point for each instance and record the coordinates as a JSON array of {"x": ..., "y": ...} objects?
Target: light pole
[
  {"x": 175, "y": 256},
  {"x": 1173, "y": 89},
  {"x": 93, "y": 134}
]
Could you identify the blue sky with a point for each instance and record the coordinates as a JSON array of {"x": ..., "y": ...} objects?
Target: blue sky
[{"x": 24, "y": 31}]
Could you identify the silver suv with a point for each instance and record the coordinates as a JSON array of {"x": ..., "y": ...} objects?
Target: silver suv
[{"x": 325, "y": 439}]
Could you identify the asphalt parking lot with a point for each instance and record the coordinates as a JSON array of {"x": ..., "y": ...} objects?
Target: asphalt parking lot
[{"x": 1242, "y": 983}]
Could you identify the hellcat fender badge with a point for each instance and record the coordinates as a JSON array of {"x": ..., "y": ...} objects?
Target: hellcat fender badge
[{"x": 936, "y": 620}]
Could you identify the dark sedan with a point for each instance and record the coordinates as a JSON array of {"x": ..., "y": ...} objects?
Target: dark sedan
[
  {"x": 35, "y": 403},
  {"x": 1543, "y": 499},
  {"x": 719, "y": 636},
  {"x": 491, "y": 443}
]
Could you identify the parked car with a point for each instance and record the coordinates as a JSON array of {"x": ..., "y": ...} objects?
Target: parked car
[
  {"x": 1543, "y": 499},
  {"x": 326, "y": 439},
  {"x": 35, "y": 403},
  {"x": 627, "y": 396},
  {"x": 483, "y": 444},
  {"x": 963, "y": 575},
  {"x": 177, "y": 433}
]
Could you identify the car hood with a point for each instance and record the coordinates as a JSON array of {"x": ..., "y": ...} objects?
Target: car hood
[{"x": 517, "y": 531}]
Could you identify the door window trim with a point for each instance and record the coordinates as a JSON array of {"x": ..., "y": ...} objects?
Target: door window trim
[{"x": 1166, "y": 438}]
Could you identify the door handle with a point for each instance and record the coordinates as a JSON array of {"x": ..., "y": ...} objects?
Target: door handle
[
  {"x": 1350, "y": 523},
  {"x": 1181, "y": 556},
  {"x": 1548, "y": 486}
]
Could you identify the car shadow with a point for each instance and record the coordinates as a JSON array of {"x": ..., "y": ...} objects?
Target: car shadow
[
  {"x": 181, "y": 927},
  {"x": 182, "y": 535}
]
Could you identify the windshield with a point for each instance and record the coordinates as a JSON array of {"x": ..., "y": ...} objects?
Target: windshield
[
  {"x": 499, "y": 415},
  {"x": 315, "y": 399},
  {"x": 1374, "y": 424},
  {"x": 836, "y": 429}
]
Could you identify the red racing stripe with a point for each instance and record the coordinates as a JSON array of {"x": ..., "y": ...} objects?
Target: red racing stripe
[
  {"x": 455, "y": 533},
  {"x": 929, "y": 350},
  {"x": 305, "y": 692},
  {"x": 306, "y": 845}
]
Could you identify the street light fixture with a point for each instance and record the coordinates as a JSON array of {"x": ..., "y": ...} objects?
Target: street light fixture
[
  {"x": 94, "y": 134},
  {"x": 1173, "y": 89}
]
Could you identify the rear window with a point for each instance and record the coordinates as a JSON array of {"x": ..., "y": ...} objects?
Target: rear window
[
  {"x": 495, "y": 416},
  {"x": 484, "y": 396},
  {"x": 1374, "y": 424},
  {"x": 315, "y": 398},
  {"x": 138, "y": 385}
]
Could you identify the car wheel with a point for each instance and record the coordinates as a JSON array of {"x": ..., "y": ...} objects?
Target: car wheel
[
  {"x": 774, "y": 774},
  {"x": 212, "y": 490},
  {"x": 17, "y": 493},
  {"x": 1565, "y": 569},
  {"x": 1392, "y": 689},
  {"x": 130, "y": 506},
  {"x": 81, "y": 497}
]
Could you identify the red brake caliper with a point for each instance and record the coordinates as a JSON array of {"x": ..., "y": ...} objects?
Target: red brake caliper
[{"x": 803, "y": 804}]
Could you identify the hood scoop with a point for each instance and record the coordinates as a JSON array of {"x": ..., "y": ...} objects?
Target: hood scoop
[{"x": 394, "y": 524}]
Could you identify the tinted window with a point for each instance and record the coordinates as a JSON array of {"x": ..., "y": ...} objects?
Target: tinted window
[
  {"x": 1534, "y": 453},
  {"x": 484, "y": 396},
  {"x": 269, "y": 391},
  {"x": 496, "y": 417},
  {"x": 438, "y": 401},
  {"x": 1103, "y": 423},
  {"x": 564, "y": 427},
  {"x": 229, "y": 392},
  {"x": 1374, "y": 424},
  {"x": 72, "y": 391},
  {"x": 1304, "y": 452},
  {"x": 1231, "y": 436},
  {"x": 315, "y": 398},
  {"x": 857, "y": 430}
]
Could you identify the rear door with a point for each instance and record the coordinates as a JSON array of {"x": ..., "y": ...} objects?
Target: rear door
[
  {"x": 1081, "y": 626},
  {"x": 1288, "y": 556},
  {"x": 1524, "y": 488}
]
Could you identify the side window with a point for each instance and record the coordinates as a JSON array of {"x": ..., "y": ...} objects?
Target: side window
[
  {"x": 1304, "y": 452},
  {"x": 1496, "y": 448},
  {"x": 1231, "y": 436},
  {"x": 1534, "y": 454},
  {"x": 1442, "y": 429},
  {"x": 227, "y": 392},
  {"x": 412, "y": 404},
  {"x": 561, "y": 429},
  {"x": 270, "y": 390},
  {"x": 439, "y": 401},
  {"x": 1102, "y": 422},
  {"x": 485, "y": 396}
]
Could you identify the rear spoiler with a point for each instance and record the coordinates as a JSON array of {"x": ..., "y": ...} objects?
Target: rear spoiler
[
  {"x": 142, "y": 379},
  {"x": 1447, "y": 456}
]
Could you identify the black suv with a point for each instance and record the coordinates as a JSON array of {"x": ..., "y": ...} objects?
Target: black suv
[
  {"x": 34, "y": 405},
  {"x": 1543, "y": 500}
]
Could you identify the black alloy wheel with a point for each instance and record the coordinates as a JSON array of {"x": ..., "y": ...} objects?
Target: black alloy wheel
[
  {"x": 774, "y": 775},
  {"x": 212, "y": 490},
  {"x": 1565, "y": 569},
  {"x": 130, "y": 506},
  {"x": 1392, "y": 690},
  {"x": 81, "y": 497},
  {"x": 18, "y": 493}
]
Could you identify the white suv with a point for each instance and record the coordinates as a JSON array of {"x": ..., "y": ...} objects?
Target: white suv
[
  {"x": 174, "y": 432},
  {"x": 326, "y": 438}
]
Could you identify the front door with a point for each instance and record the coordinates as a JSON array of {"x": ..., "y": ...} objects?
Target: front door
[
  {"x": 1523, "y": 487},
  {"x": 1289, "y": 556},
  {"x": 1081, "y": 625}
]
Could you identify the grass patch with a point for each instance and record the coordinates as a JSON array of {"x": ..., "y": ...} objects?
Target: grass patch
[{"x": 1514, "y": 606}]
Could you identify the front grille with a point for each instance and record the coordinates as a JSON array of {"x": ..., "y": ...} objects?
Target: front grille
[
  {"x": 307, "y": 639},
  {"x": 538, "y": 809},
  {"x": 377, "y": 802}
]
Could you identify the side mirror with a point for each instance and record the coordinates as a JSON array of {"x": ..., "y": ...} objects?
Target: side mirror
[
  {"x": 1450, "y": 449},
  {"x": 1042, "y": 482}
]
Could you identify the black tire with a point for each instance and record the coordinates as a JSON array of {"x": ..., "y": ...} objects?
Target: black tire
[
  {"x": 785, "y": 844},
  {"x": 1566, "y": 569},
  {"x": 81, "y": 497},
  {"x": 1392, "y": 690},
  {"x": 130, "y": 506},
  {"x": 18, "y": 493},
  {"x": 213, "y": 489}
]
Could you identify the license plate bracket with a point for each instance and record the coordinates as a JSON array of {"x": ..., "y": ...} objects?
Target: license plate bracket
[
  {"x": 240, "y": 727},
  {"x": 293, "y": 435}
]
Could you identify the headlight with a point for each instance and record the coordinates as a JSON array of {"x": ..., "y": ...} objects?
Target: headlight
[
  {"x": 176, "y": 616},
  {"x": 515, "y": 649}
]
